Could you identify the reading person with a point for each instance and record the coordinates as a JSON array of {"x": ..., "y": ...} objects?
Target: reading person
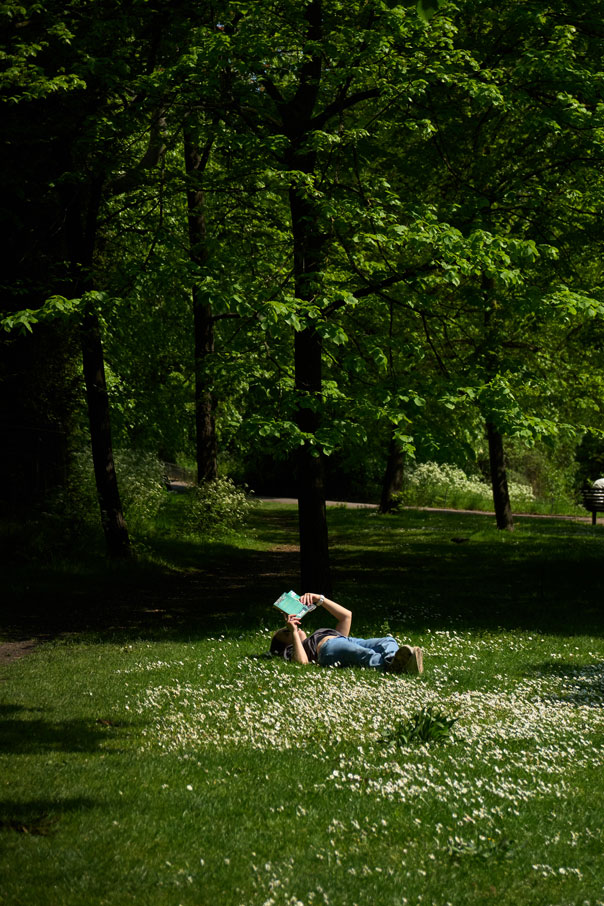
[{"x": 336, "y": 647}]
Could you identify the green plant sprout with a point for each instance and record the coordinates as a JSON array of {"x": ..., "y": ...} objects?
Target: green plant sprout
[{"x": 429, "y": 724}]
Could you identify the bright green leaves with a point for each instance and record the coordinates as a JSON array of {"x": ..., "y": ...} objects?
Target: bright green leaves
[
  {"x": 428, "y": 8},
  {"x": 425, "y": 9},
  {"x": 451, "y": 189},
  {"x": 54, "y": 307},
  {"x": 570, "y": 304},
  {"x": 333, "y": 333},
  {"x": 379, "y": 358}
]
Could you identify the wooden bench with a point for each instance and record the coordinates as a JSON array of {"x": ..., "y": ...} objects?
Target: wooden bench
[{"x": 593, "y": 500}]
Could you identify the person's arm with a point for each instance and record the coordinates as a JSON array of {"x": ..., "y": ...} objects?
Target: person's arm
[
  {"x": 298, "y": 654},
  {"x": 342, "y": 615}
]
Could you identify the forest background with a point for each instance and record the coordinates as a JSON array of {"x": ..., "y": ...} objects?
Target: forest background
[{"x": 310, "y": 247}]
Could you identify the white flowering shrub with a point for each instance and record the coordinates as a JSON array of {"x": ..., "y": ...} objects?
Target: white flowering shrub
[
  {"x": 433, "y": 484},
  {"x": 521, "y": 494},
  {"x": 215, "y": 508},
  {"x": 142, "y": 486}
]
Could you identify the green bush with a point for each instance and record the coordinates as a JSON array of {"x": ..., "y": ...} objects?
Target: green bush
[
  {"x": 432, "y": 484},
  {"x": 69, "y": 522},
  {"x": 141, "y": 483},
  {"x": 552, "y": 471},
  {"x": 71, "y": 518},
  {"x": 215, "y": 508}
]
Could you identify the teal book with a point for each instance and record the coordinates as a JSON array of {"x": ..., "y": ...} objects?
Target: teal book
[{"x": 289, "y": 603}]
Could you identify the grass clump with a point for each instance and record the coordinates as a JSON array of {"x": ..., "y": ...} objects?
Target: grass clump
[
  {"x": 481, "y": 846},
  {"x": 429, "y": 724}
]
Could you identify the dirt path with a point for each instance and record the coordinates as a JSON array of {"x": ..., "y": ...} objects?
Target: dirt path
[
  {"x": 436, "y": 509},
  {"x": 167, "y": 606},
  {"x": 12, "y": 651}
]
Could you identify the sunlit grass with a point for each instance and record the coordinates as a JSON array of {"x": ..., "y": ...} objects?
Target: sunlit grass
[
  {"x": 193, "y": 771},
  {"x": 199, "y": 771}
]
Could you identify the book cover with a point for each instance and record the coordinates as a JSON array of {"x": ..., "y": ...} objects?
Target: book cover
[{"x": 289, "y": 603}]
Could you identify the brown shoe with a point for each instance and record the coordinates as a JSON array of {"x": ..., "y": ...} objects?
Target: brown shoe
[
  {"x": 400, "y": 661},
  {"x": 415, "y": 663}
]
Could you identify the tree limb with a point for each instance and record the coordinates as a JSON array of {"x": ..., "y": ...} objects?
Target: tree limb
[{"x": 156, "y": 148}]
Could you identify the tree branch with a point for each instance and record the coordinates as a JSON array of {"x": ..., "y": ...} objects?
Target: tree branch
[
  {"x": 439, "y": 361},
  {"x": 156, "y": 148},
  {"x": 341, "y": 104}
]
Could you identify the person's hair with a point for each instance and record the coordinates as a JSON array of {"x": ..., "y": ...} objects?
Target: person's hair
[{"x": 277, "y": 645}]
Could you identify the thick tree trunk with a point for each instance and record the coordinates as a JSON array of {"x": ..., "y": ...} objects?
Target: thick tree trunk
[
  {"x": 393, "y": 477},
  {"x": 205, "y": 400},
  {"x": 309, "y": 245},
  {"x": 81, "y": 228},
  {"x": 112, "y": 517},
  {"x": 501, "y": 497},
  {"x": 314, "y": 546},
  {"x": 203, "y": 320}
]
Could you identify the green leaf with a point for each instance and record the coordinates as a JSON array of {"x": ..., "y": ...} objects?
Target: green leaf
[{"x": 428, "y": 8}]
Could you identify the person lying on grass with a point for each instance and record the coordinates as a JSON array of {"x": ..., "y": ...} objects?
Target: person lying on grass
[{"x": 336, "y": 648}]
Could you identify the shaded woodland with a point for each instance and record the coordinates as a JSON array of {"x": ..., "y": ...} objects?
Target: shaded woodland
[{"x": 299, "y": 244}]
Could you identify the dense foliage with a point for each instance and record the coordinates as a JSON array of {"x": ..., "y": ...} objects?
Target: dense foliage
[{"x": 285, "y": 232}]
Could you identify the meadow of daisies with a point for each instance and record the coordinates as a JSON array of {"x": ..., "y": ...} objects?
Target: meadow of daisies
[{"x": 191, "y": 769}]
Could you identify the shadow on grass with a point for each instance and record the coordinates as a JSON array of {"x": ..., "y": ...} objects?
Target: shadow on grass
[
  {"x": 230, "y": 591},
  {"x": 38, "y": 817},
  {"x": 545, "y": 581},
  {"x": 22, "y": 735},
  {"x": 583, "y": 684},
  {"x": 416, "y": 570}
]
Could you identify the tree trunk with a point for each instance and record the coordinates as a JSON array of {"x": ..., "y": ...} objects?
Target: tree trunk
[
  {"x": 205, "y": 400},
  {"x": 112, "y": 517},
  {"x": 393, "y": 477},
  {"x": 309, "y": 246},
  {"x": 501, "y": 497},
  {"x": 81, "y": 229},
  {"x": 314, "y": 545},
  {"x": 203, "y": 320}
]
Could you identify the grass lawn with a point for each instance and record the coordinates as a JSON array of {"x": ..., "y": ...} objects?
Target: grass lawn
[{"x": 161, "y": 761}]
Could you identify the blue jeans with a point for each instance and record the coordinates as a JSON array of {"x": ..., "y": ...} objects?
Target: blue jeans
[{"x": 375, "y": 653}]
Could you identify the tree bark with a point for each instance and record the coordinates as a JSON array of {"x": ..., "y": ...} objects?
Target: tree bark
[
  {"x": 315, "y": 571},
  {"x": 203, "y": 320},
  {"x": 309, "y": 244},
  {"x": 205, "y": 399},
  {"x": 309, "y": 247},
  {"x": 112, "y": 517},
  {"x": 393, "y": 477},
  {"x": 81, "y": 230},
  {"x": 501, "y": 497}
]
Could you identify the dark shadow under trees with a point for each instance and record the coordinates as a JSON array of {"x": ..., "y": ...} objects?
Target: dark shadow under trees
[{"x": 407, "y": 569}]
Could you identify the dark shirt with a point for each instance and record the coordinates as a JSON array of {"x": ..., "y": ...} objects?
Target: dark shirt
[{"x": 311, "y": 644}]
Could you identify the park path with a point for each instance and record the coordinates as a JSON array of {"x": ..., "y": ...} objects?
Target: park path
[{"x": 434, "y": 509}]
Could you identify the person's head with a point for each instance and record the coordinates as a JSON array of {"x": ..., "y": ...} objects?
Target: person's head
[{"x": 282, "y": 639}]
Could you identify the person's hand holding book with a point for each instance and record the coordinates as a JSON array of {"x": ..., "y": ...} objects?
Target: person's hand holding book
[
  {"x": 293, "y": 622},
  {"x": 310, "y": 597}
]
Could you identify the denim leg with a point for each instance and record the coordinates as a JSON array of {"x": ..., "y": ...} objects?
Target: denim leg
[
  {"x": 353, "y": 652},
  {"x": 386, "y": 646}
]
